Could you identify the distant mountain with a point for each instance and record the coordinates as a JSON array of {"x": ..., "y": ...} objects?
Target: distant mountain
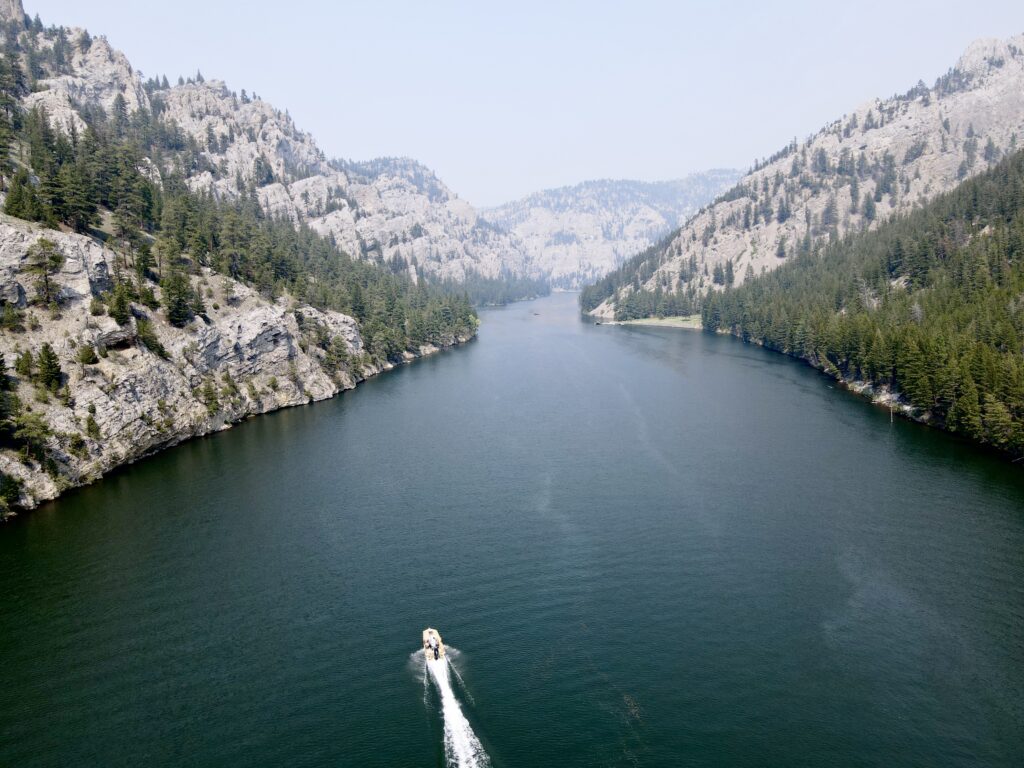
[
  {"x": 577, "y": 234},
  {"x": 883, "y": 158}
]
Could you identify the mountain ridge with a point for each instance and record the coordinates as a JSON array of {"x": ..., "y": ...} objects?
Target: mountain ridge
[
  {"x": 136, "y": 312},
  {"x": 579, "y": 232},
  {"x": 883, "y": 158},
  {"x": 391, "y": 210}
]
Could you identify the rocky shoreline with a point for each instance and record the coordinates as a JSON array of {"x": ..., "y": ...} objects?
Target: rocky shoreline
[
  {"x": 128, "y": 390},
  {"x": 878, "y": 395}
]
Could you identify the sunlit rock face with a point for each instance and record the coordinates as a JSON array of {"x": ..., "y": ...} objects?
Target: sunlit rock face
[
  {"x": 895, "y": 153},
  {"x": 577, "y": 234}
]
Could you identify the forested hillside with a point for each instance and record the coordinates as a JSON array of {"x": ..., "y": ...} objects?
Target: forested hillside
[
  {"x": 137, "y": 311},
  {"x": 225, "y": 143},
  {"x": 931, "y": 305},
  {"x": 881, "y": 159},
  {"x": 123, "y": 177}
]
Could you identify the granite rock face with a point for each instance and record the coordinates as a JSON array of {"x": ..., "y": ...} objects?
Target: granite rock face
[
  {"x": 11, "y": 10},
  {"x": 577, "y": 234},
  {"x": 246, "y": 355},
  {"x": 392, "y": 210},
  {"x": 389, "y": 209},
  {"x": 918, "y": 145}
]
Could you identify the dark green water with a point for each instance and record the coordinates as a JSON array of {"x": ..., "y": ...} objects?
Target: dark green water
[{"x": 652, "y": 547}]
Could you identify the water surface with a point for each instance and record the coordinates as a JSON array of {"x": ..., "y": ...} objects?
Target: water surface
[{"x": 650, "y": 546}]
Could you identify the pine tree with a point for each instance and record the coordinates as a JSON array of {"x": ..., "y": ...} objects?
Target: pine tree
[
  {"x": 10, "y": 318},
  {"x": 45, "y": 259},
  {"x": 24, "y": 364},
  {"x": 12, "y": 87},
  {"x": 965, "y": 413},
  {"x": 49, "y": 368},
  {"x": 144, "y": 262},
  {"x": 79, "y": 211},
  {"x": 32, "y": 432},
  {"x": 783, "y": 213},
  {"x": 120, "y": 305},
  {"x": 6, "y": 141},
  {"x": 830, "y": 215},
  {"x": 869, "y": 207},
  {"x": 178, "y": 297},
  {"x": 999, "y": 426},
  {"x": 22, "y": 200},
  {"x": 119, "y": 112}
]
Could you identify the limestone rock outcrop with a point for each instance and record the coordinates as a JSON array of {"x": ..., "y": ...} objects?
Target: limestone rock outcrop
[
  {"x": 881, "y": 159},
  {"x": 98, "y": 74},
  {"x": 11, "y": 10},
  {"x": 390, "y": 209},
  {"x": 246, "y": 355},
  {"x": 578, "y": 234}
]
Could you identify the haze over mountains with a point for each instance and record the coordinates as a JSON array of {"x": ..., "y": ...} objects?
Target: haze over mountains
[
  {"x": 391, "y": 210},
  {"x": 397, "y": 212},
  {"x": 883, "y": 157},
  {"x": 577, "y": 234}
]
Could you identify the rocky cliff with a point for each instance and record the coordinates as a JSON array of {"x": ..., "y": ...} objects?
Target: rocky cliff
[
  {"x": 128, "y": 390},
  {"x": 577, "y": 234},
  {"x": 11, "y": 10},
  {"x": 101, "y": 362},
  {"x": 388, "y": 210},
  {"x": 883, "y": 158},
  {"x": 392, "y": 210}
]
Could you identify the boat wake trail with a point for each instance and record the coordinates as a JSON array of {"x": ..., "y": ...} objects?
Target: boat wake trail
[{"x": 461, "y": 746}]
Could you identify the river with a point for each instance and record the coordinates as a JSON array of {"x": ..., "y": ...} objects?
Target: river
[{"x": 646, "y": 546}]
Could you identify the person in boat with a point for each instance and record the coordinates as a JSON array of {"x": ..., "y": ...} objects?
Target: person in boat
[{"x": 433, "y": 645}]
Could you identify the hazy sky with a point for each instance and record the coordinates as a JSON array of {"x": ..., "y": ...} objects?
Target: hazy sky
[{"x": 502, "y": 99}]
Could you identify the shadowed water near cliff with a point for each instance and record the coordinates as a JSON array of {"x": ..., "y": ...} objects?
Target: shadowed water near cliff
[{"x": 653, "y": 547}]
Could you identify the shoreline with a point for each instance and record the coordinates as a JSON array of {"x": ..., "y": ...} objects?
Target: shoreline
[
  {"x": 879, "y": 396},
  {"x": 685, "y": 322},
  {"x": 222, "y": 425}
]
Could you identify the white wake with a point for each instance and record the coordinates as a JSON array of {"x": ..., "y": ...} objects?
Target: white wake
[{"x": 462, "y": 748}]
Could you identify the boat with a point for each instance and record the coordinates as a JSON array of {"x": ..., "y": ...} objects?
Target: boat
[{"x": 432, "y": 645}]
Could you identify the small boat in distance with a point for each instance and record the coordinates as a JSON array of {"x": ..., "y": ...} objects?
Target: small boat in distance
[{"x": 432, "y": 645}]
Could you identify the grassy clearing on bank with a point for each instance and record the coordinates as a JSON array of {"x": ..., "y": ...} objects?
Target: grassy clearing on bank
[{"x": 691, "y": 322}]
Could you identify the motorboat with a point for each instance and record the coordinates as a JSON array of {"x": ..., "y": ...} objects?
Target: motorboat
[{"x": 432, "y": 645}]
